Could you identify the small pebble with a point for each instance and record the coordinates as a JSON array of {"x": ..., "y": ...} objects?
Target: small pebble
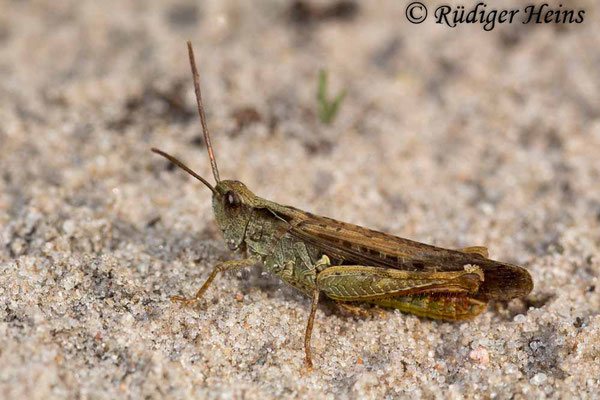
[
  {"x": 480, "y": 355},
  {"x": 520, "y": 318},
  {"x": 539, "y": 378}
]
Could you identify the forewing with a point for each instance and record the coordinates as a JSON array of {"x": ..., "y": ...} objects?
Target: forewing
[
  {"x": 353, "y": 244},
  {"x": 367, "y": 247}
]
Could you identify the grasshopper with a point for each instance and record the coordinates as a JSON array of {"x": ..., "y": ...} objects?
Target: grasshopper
[{"x": 347, "y": 263}]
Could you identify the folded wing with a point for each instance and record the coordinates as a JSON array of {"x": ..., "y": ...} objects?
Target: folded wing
[{"x": 353, "y": 244}]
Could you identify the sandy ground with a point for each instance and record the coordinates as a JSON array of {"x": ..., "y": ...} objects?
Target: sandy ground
[{"x": 454, "y": 137}]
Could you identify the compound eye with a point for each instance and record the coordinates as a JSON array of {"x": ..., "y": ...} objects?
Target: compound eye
[{"x": 232, "y": 200}]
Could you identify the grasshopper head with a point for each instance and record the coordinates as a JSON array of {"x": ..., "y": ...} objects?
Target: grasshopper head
[
  {"x": 232, "y": 204},
  {"x": 232, "y": 201}
]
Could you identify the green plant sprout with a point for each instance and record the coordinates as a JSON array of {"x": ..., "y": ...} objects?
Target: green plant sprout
[{"x": 327, "y": 109}]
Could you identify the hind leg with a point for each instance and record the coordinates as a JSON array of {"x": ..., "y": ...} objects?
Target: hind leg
[
  {"x": 450, "y": 307},
  {"x": 361, "y": 283},
  {"x": 358, "y": 311}
]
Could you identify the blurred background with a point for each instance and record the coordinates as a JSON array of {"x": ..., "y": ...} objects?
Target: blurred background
[{"x": 450, "y": 136}]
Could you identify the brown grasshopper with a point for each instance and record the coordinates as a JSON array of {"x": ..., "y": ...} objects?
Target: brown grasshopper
[{"x": 348, "y": 263}]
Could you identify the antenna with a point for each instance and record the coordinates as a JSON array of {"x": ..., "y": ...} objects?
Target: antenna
[
  {"x": 211, "y": 155},
  {"x": 185, "y": 168}
]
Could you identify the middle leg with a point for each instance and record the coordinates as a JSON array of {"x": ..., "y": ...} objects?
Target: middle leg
[{"x": 309, "y": 328}]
